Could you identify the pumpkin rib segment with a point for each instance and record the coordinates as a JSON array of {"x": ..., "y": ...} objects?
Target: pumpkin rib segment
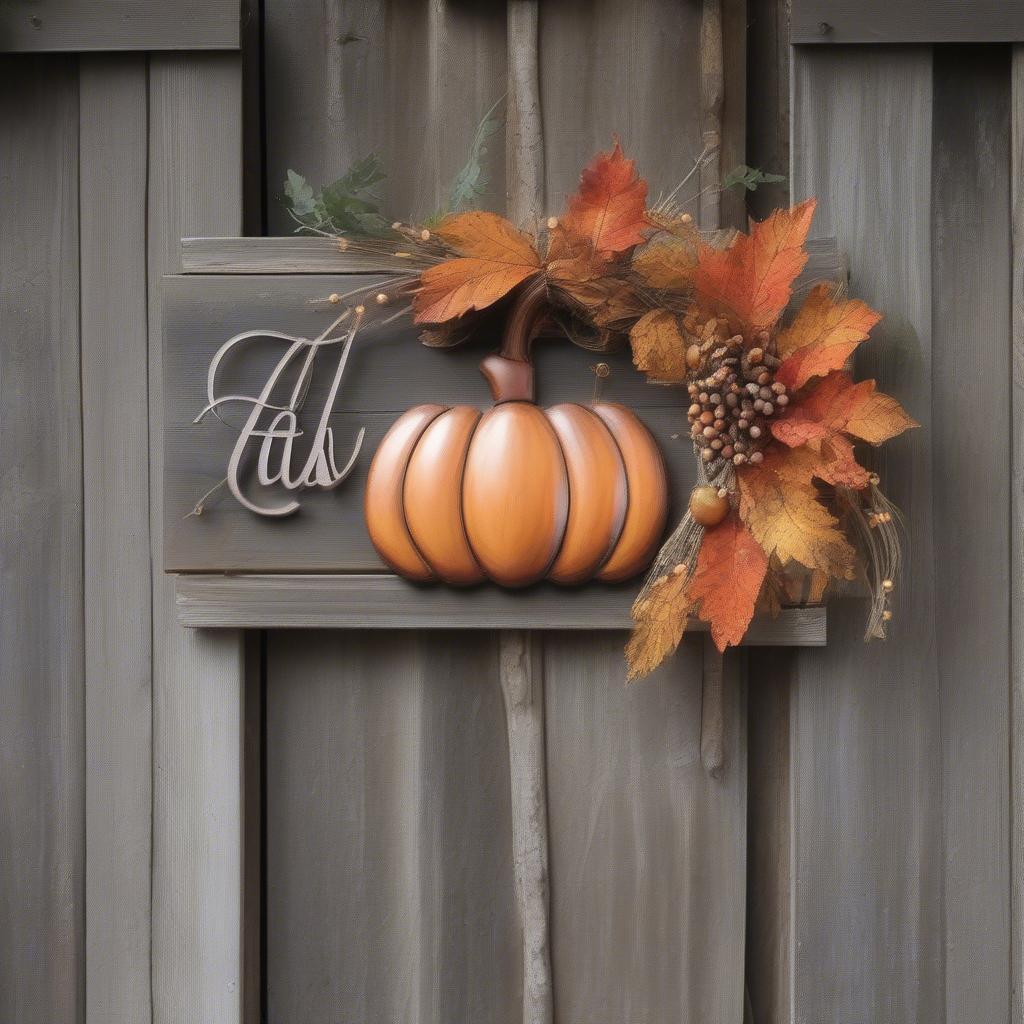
[
  {"x": 507, "y": 535},
  {"x": 433, "y": 509},
  {"x": 645, "y": 475},
  {"x": 383, "y": 499},
  {"x": 598, "y": 492}
]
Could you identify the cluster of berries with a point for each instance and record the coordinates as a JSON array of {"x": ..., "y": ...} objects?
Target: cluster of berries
[{"x": 733, "y": 395}]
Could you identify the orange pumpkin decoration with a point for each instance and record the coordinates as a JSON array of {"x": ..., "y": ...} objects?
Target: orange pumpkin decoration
[{"x": 517, "y": 494}]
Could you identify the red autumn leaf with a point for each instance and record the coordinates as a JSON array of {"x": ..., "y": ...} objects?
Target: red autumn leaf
[
  {"x": 608, "y": 212},
  {"x": 822, "y": 336},
  {"x": 495, "y": 257},
  {"x": 838, "y": 405},
  {"x": 753, "y": 278},
  {"x": 731, "y": 567}
]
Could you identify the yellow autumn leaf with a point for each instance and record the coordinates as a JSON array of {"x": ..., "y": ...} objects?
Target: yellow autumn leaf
[
  {"x": 659, "y": 346},
  {"x": 781, "y": 506},
  {"x": 660, "y": 619},
  {"x": 667, "y": 261}
]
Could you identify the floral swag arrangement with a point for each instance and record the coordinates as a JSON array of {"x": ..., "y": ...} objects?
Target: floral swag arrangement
[{"x": 783, "y": 509}]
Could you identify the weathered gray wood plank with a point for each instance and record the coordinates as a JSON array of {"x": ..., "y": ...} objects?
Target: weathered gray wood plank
[
  {"x": 389, "y": 843},
  {"x": 195, "y": 138},
  {"x": 1017, "y": 541},
  {"x": 118, "y": 622},
  {"x": 88, "y": 25},
  {"x": 302, "y": 254},
  {"x": 866, "y": 815},
  {"x": 971, "y": 298},
  {"x": 42, "y": 734},
  {"x": 647, "y": 850},
  {"x": 388, "y": 602},
  {"x": 908, "y": 21},
  {"x": 409, "y": 82}
]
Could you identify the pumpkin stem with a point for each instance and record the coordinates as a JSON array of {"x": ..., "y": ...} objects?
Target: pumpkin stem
[{"x": 509, "y": 373}]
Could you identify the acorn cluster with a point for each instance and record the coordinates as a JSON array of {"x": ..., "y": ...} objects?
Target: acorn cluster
[{"x": 733, "y": 394}]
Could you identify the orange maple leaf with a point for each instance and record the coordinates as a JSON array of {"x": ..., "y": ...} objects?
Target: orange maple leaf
[
  {"x": 838, "y": 405},
  {"x": 608, "y": 212},
  {"x": 822, "y": 336},
  {"x": 495, "y": 257},
  {"x": 669, "y": 260},
  {"x": 839, "y": 465},
  {"x": 731, "y": 567},
  {"x": 753, "y": 278},
  {"x": 660, "y": 622},
  {"x": 781, "y": 506},
  {"x": 659, "y": 348}
]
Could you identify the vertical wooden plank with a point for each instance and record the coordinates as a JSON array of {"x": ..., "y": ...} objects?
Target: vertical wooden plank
[
  {"x": 389, "y": 841},
  {"x": 971, "y": 299},
  {"x": 647, "y": 850},
  {"x": 607, "y": 68},
  {"x": 118, "y": 625},
  {"x": 195, "y": 187},
  {"x": 1017, "y": 539},
  {"x": 868, "y": 911},
  {"x": 407, "y": 80},
  {"x": 524, "y": 136},
  {"x": 42, "y": 825},
  {"x": 522, "y": 686}
]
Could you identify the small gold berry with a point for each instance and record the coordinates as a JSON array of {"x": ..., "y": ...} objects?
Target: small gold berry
[
  {"x": 888, "y": 585},
  {"x": 552, "y": 223},
  {"x": 686, "y": 218},
  {"x": 360, "y": 310},
  {"x": 887, "y": 615},
  {"x": 708, "y": 507},
  {"x": 425, "y": 235},
  {"x": 875, "y": 479},
  {"x": 334, "y": 298},
  {"x": 382, "y": 299}
]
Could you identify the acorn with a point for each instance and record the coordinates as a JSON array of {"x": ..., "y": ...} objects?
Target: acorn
[{"x": 707, "y": 507}]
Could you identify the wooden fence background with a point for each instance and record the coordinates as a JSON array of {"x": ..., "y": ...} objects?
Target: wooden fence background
[{"x": 861, "y": 858}]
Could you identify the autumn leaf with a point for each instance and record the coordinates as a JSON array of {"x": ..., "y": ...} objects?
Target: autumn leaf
[
  {"x": 495, "y": 257},
  {"x": 730, "y": 569},
  {"x": 608, "y": 210},
  {"x": 838, "y": 405},
  {"x": 753, "y": 278},
  {"x": 659, "y": 348},
  {"x": 839, "y": 465},
  {"x": 668, "y": 261},
  {"x": 781, "y": 506},
  {"x": 607, "y": 298},
  {"x": 660, "y": 622},
  {"x": 822, "y": 336}
]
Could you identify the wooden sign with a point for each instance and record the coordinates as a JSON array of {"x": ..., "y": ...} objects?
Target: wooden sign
[{"x": 274, "y": 292}]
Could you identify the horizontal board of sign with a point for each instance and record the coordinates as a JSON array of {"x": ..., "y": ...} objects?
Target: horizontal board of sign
[
  {"x": 305, "y": 255},
  {"x": 386, "y": 602},
  {"x": 389, "y": 371},
  {"x": 907, "y": 21},
  {"x": 90, "y": 25}
]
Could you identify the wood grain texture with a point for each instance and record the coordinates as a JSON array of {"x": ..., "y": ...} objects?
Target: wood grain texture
[
  {"x": 90, "y": 25},
  {"x": 42, "y": 672},
  {"x": 521, "y": 672},
  {"x": 335, "y": 94},
  {"x": 387, "y": 602},
  {"x": 1017, "y": 538},
  {"x": 910, "y": 21},
  {"x": 195, "y": 137},
  {"x": 866, "y": 814},
  {"x": 307, "y": 255},
  {"x": 390, "y": 889},
  {"x": 908, "y": 740},
  {"x": 118, "y": 578},
  {"x": 647, "y": 854}
]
